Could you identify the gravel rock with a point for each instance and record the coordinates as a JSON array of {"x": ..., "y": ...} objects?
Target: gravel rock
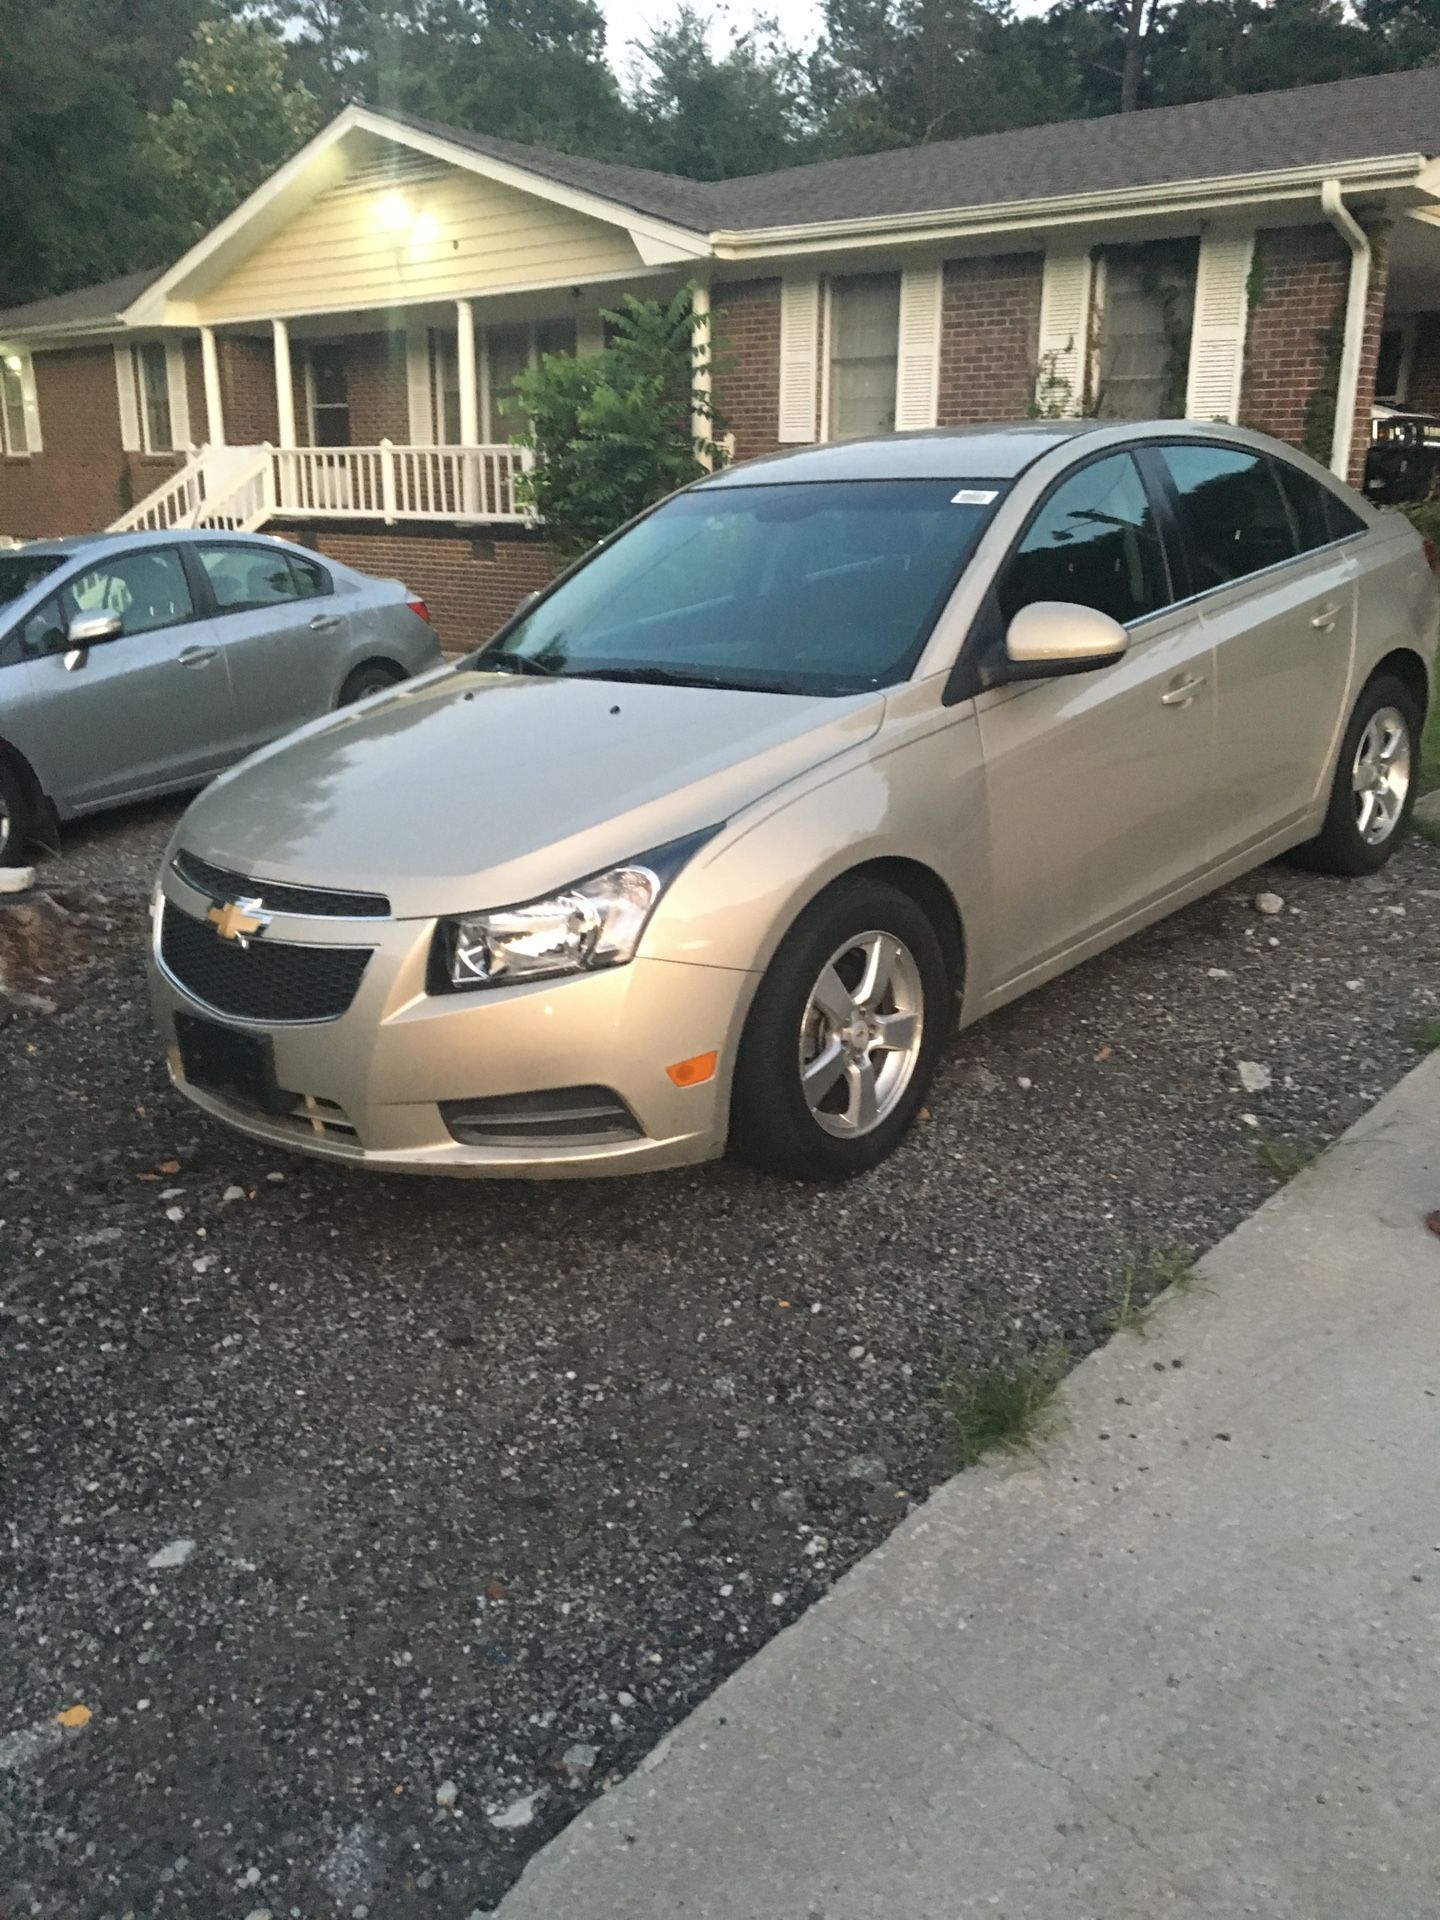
[
  {"x": 468, "y": 1460},
  {"x": 1253, "y": 1077},
  {"x": 579, "y": 1762},
  {"x": 1269, "y": 903}
]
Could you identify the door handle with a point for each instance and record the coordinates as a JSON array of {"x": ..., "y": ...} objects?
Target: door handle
[
  {"x": 196, "y": 656},
  {"x": 1184, "y": 693},
  {"x": 1324, "y": 620},
  {"x": 324, "y": 623}
]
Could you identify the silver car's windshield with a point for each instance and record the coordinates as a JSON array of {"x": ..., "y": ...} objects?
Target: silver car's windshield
[
  {"x": 19, "y": 572},
  {"x": 823, "y": 587}
]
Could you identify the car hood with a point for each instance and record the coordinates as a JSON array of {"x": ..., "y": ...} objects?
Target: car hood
[{"x": 476, "y": 789}]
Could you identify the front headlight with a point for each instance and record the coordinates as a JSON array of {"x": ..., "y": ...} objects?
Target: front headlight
[{"x": 596, "y": 923}]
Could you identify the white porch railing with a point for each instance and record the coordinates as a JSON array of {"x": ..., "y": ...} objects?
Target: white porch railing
[{"x": 243, "y": 487}]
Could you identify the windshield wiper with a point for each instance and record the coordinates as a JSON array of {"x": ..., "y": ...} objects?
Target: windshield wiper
[
  {"x": 680, "y": 677},
  {"x": 514, "y": 663}
]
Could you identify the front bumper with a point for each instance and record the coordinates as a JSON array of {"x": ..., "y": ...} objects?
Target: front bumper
[{"x": 369, "y": 1084}]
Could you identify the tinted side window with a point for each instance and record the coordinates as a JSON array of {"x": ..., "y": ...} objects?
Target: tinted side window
[
  {"x": 1233, "y": 511},
  {"x": 148, "y": 589},
  {"x": 1341, "y": 520},
  {"x": 1307, "y": 502},
  {"x": 311, "y": 581},
  {"x": 1095, "y": 543},
  {"x": 243, "y": 578}
]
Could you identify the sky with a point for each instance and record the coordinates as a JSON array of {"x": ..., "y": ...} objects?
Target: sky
[{"x": 627, "y": 20}]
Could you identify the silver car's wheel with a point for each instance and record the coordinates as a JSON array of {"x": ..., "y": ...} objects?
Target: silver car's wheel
[
  {"x": 861, "y": 1034},
  {"x": 1380, "y": 775}
]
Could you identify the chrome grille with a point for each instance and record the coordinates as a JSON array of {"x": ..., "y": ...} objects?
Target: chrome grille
[{"x": 278, "y": 896}]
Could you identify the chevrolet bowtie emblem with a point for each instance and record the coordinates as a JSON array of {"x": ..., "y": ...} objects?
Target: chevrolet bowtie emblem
[{"x": 238, "y": 920}]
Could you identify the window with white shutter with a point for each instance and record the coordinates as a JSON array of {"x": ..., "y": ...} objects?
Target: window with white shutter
[
  {"x": 1222, "y": 312},
  {"x": 799, "y": 358},
  {"x": 125, "y": 393},
  {"x": 917, "y": 380},
  {"x": 1146, "y": 296},
  {"x": 19, "y": 410},
  {"x": 864, "y": 352},
  {"x": 1064, "y": 332}
]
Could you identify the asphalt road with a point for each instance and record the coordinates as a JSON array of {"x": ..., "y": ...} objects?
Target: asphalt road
[{"x": 486, "y": 1486}]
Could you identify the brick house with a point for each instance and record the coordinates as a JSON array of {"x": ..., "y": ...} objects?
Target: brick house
[{"x": 329, "y": 362}]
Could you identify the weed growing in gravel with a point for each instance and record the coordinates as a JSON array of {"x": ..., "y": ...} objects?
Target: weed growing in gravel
[
  {"x": 1284, "y": 1158},
  {"x": 1008, "y": 1406},
  {"x": 1144, "y": 1280},
  {"x": 1427, "y": 830},
  {"x": 1426, "y": 1037}
]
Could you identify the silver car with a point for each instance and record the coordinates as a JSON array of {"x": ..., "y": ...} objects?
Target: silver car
[
  {"x": 137, "y": 664},
  {"x": 714, "y": 841}
]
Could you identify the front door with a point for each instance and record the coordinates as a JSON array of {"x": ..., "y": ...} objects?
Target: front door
[
  {"x": 1098, "y": 784},
  {"x": 149, "y": 709}
]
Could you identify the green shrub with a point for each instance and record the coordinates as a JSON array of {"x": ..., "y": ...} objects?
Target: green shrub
[
  {"x": 613, "y": 432},
  {"x": 1424, "y": 516}
]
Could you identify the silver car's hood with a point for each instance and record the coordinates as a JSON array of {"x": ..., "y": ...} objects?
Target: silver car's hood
[{"x": 474, "y": 789}]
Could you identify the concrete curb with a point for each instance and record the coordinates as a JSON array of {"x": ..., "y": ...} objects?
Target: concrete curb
[{"x": 1183, "y": 1663}]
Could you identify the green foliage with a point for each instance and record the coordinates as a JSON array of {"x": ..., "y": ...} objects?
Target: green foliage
[
  {"x": 709, "y": 116},
  {"x": 612, "y": 432},
  {"x": 1284, "y": 1158},
  {"x": 1425, "y": 1038},
  {"x": 235, "y": 118},
  {"x": 1010, "y": 1406},
  {"x": 1143, "y": 1280}
]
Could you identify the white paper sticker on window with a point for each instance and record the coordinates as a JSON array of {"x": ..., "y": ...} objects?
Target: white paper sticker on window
[{"x": 973, "y": 497}]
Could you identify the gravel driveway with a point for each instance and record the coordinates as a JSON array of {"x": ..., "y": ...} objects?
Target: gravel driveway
[{"x": 374, "y": 1523}]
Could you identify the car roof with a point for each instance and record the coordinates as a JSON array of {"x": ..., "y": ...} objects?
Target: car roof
[
  {"x": 97, "y": 544},
  {"x": 976, "y": 453}
]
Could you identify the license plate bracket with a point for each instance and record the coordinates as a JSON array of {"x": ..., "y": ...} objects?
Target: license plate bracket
[{"x": 239, "y": 1066}]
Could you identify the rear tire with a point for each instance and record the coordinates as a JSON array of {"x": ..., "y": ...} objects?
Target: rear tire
[
  {"x": 1374, "y": 786},
  {"x": 17, "y": 814},
  {"x": 841, "y": 1044},
  {"x": 373, "y": 677}
]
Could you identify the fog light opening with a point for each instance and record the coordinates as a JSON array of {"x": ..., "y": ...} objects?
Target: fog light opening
[{"x": 695, "y": 1071}]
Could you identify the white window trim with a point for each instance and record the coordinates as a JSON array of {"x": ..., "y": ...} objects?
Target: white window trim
[
  {"x": 24, "y": 366},
  {"x": 135, "y": 415},
  {"x": 826, "y": 344}
]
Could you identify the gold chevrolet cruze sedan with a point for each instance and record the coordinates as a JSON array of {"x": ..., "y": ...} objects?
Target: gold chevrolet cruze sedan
[{"x": 713, "y": 842}]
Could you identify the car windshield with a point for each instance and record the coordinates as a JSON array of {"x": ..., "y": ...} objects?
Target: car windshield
[
  {"x": 19, "y": 572},
  {"x": 826, "y": 587}
]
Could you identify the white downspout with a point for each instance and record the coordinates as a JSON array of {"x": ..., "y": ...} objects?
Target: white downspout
[{"x": 1353, "y": 349}]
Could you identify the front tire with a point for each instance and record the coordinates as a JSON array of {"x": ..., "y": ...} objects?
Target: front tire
[
  {"x": 841, "y": 1043},
  {"x": 1374, "y": 785}
]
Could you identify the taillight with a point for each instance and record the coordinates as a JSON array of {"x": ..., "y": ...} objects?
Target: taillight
[
  {"x": 1432, "y": 554},
  {"x": 419, "y": 607}
]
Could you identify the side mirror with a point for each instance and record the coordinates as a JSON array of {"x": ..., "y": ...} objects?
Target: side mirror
[
  {"x": 88, "y": 630},
  {"x": 1057, "y": 636},
  {"x": 93, "y": 629}
]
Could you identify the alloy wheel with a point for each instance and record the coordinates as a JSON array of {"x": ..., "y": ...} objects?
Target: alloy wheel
[
  {"x": 860, "y": 1036},
  {"x": 1381, "y": 775}
]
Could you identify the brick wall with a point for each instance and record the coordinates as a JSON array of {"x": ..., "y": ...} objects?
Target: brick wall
[
  {"x": 1292, "y": 348},
  {"x": 746, "y": 332},
  {"x": 83, "y": 478},
  {"x": 247, "y": 390},
  {"x": 377, "y": 388},
  {"x": 989, "y": 338},
  {"x": 471, "y": 583}
]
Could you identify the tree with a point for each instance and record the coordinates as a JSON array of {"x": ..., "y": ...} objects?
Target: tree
[
  {"x": 613, "y": 432},
  {"x": 712, "y": 117},
  {"x": 74, "y": 213},
  {"x": 235, "y": 119}
]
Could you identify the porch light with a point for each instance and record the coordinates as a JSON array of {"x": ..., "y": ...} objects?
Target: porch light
[
  {"x": 12, "y": 361},
  {"x": 392, "y": 212}
]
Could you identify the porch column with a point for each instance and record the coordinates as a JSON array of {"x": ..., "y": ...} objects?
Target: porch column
[
  {"x": 210, "y": 369},
  {"x": 284, "y": 385},
  {"x": 465, "y": 369},
  {"x": 701, "y": 424}
]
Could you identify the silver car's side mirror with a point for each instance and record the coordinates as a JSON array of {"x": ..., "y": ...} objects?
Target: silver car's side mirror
[
  {"x": 88, "y": 630},
  {"x": 1058, "y": 636}
]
